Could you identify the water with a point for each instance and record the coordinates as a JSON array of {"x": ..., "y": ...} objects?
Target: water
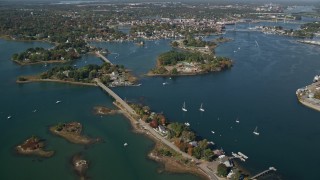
[{"x": 259, "y": 90}]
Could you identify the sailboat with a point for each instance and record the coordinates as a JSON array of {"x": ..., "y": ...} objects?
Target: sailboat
[
  {"x": 201, "y": 108},
  {"x": 237, "y": 120},
  {"x": 184, "y": 107},
  {"x": 255, "y": 132}
]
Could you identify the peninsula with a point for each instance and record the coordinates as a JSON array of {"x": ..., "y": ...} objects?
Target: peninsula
[
  {"x": 34, "y": 146},
  {"x": 72, "y": 132}
]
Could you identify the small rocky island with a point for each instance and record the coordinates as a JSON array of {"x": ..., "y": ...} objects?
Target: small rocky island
[
  {"x": 72, "y": 132},
  {"x": 80, "y": 165},
  {"x": 100, "y": 110},
  {"x": 34, "y": 146}
]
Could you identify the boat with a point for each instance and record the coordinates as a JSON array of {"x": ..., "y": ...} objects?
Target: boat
[
  {"x": 125, "y": 144},
  {"x": 45, "y": 65},
  {"x": 184, "y": 107},
  {"x": 201, "y": 108},
  {"x": 187, "y": 124},
  {"x": 57, "y": 102},
  {"x": 210, "y": 142},
  {"x": 165, "y": 83},
  {"x": 242, "y": 155},
  {"x": 34, "y": 111},
  {"x": 212, "y": 132},
  {"x": 237, "y": 121},
  {"x": 255, "y": 132},
  {"x": 9, "y": 117}
]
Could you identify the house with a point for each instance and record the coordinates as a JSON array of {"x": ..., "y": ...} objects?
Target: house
[
  {"x": 162, "y": 129},
  {"x": 193, "y": 143}
]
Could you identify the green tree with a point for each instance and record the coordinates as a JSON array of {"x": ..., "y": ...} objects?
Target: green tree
[
  {"x": 197, "y": 152},
  {"x": 222, "y": 170},
  {"x": 208, "y": 154}
]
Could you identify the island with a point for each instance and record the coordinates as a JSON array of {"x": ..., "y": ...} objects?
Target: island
[
  {"x": 34, "y": 146},
  {"x": 72, "y": 132},
  {"x": 80, "y": 166},
  {"x": 100, "y": 110},
  {"x": 188, "y": 63},
  {"x": 111, "y": 75},
  {"x": 191, "y": 56}
]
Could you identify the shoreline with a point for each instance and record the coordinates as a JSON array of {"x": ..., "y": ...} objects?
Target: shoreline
[
  {"x": 56, "y": 81},
  {"x": 308, "y": 104},
  {"x": 150, "y": 74},
  {"x": 40, "y": 62}
]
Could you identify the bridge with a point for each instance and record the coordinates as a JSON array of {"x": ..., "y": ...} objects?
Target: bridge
[
  {"x": 115, "y": 96},
  {"x": 243, "y": 30},
  {"x": 263, "y": 173},
  {"x": 103, "y": 57}
]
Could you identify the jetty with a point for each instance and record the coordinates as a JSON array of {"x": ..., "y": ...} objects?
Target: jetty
[
  {"x": 263, "y": 173},
  {"x": 103, "y": 57}
]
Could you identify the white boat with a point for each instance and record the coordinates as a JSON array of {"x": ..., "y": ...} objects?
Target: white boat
[
  {"x": 255, "y": 132},
  {"x": 212, "y": 132},
  {"x": 57, "y": 102},
  {"x": 187, "y": 124},
  {"x": 237, "y": 121},
  {"x": 9, "y": 117},
  {"x": 184, "y": 107},
  {"x": 242, "y": 155},
  {"x": 165, "y": 83},
  {"x": 34, "y": 111},
  {"x": 125, "y": 144},
  {"x": 210, "y": 142},
  {"x": 201, "y": 108}
]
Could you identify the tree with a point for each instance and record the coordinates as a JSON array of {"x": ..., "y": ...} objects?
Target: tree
[
  {"x": 174, "y": 71},
  {"x": 222, "y": 170},
  {"x": 175, "y": 44},
  {"x": 208, "y": 154},
  {"x": 188, "y": 136},
  {"x": 197, "y": 152}
]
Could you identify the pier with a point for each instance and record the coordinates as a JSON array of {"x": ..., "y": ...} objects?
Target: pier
[
  {"x": 103, "y": 57},
  {"x": 264, "y": 173}
]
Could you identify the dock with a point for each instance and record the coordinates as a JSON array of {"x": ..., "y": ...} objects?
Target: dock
[
  {"x": 103, "y": 57},
  {"x": 263, "y": 173}
]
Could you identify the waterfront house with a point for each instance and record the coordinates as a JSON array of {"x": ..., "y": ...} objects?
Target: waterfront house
[{"x": 162, "y": 129}]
